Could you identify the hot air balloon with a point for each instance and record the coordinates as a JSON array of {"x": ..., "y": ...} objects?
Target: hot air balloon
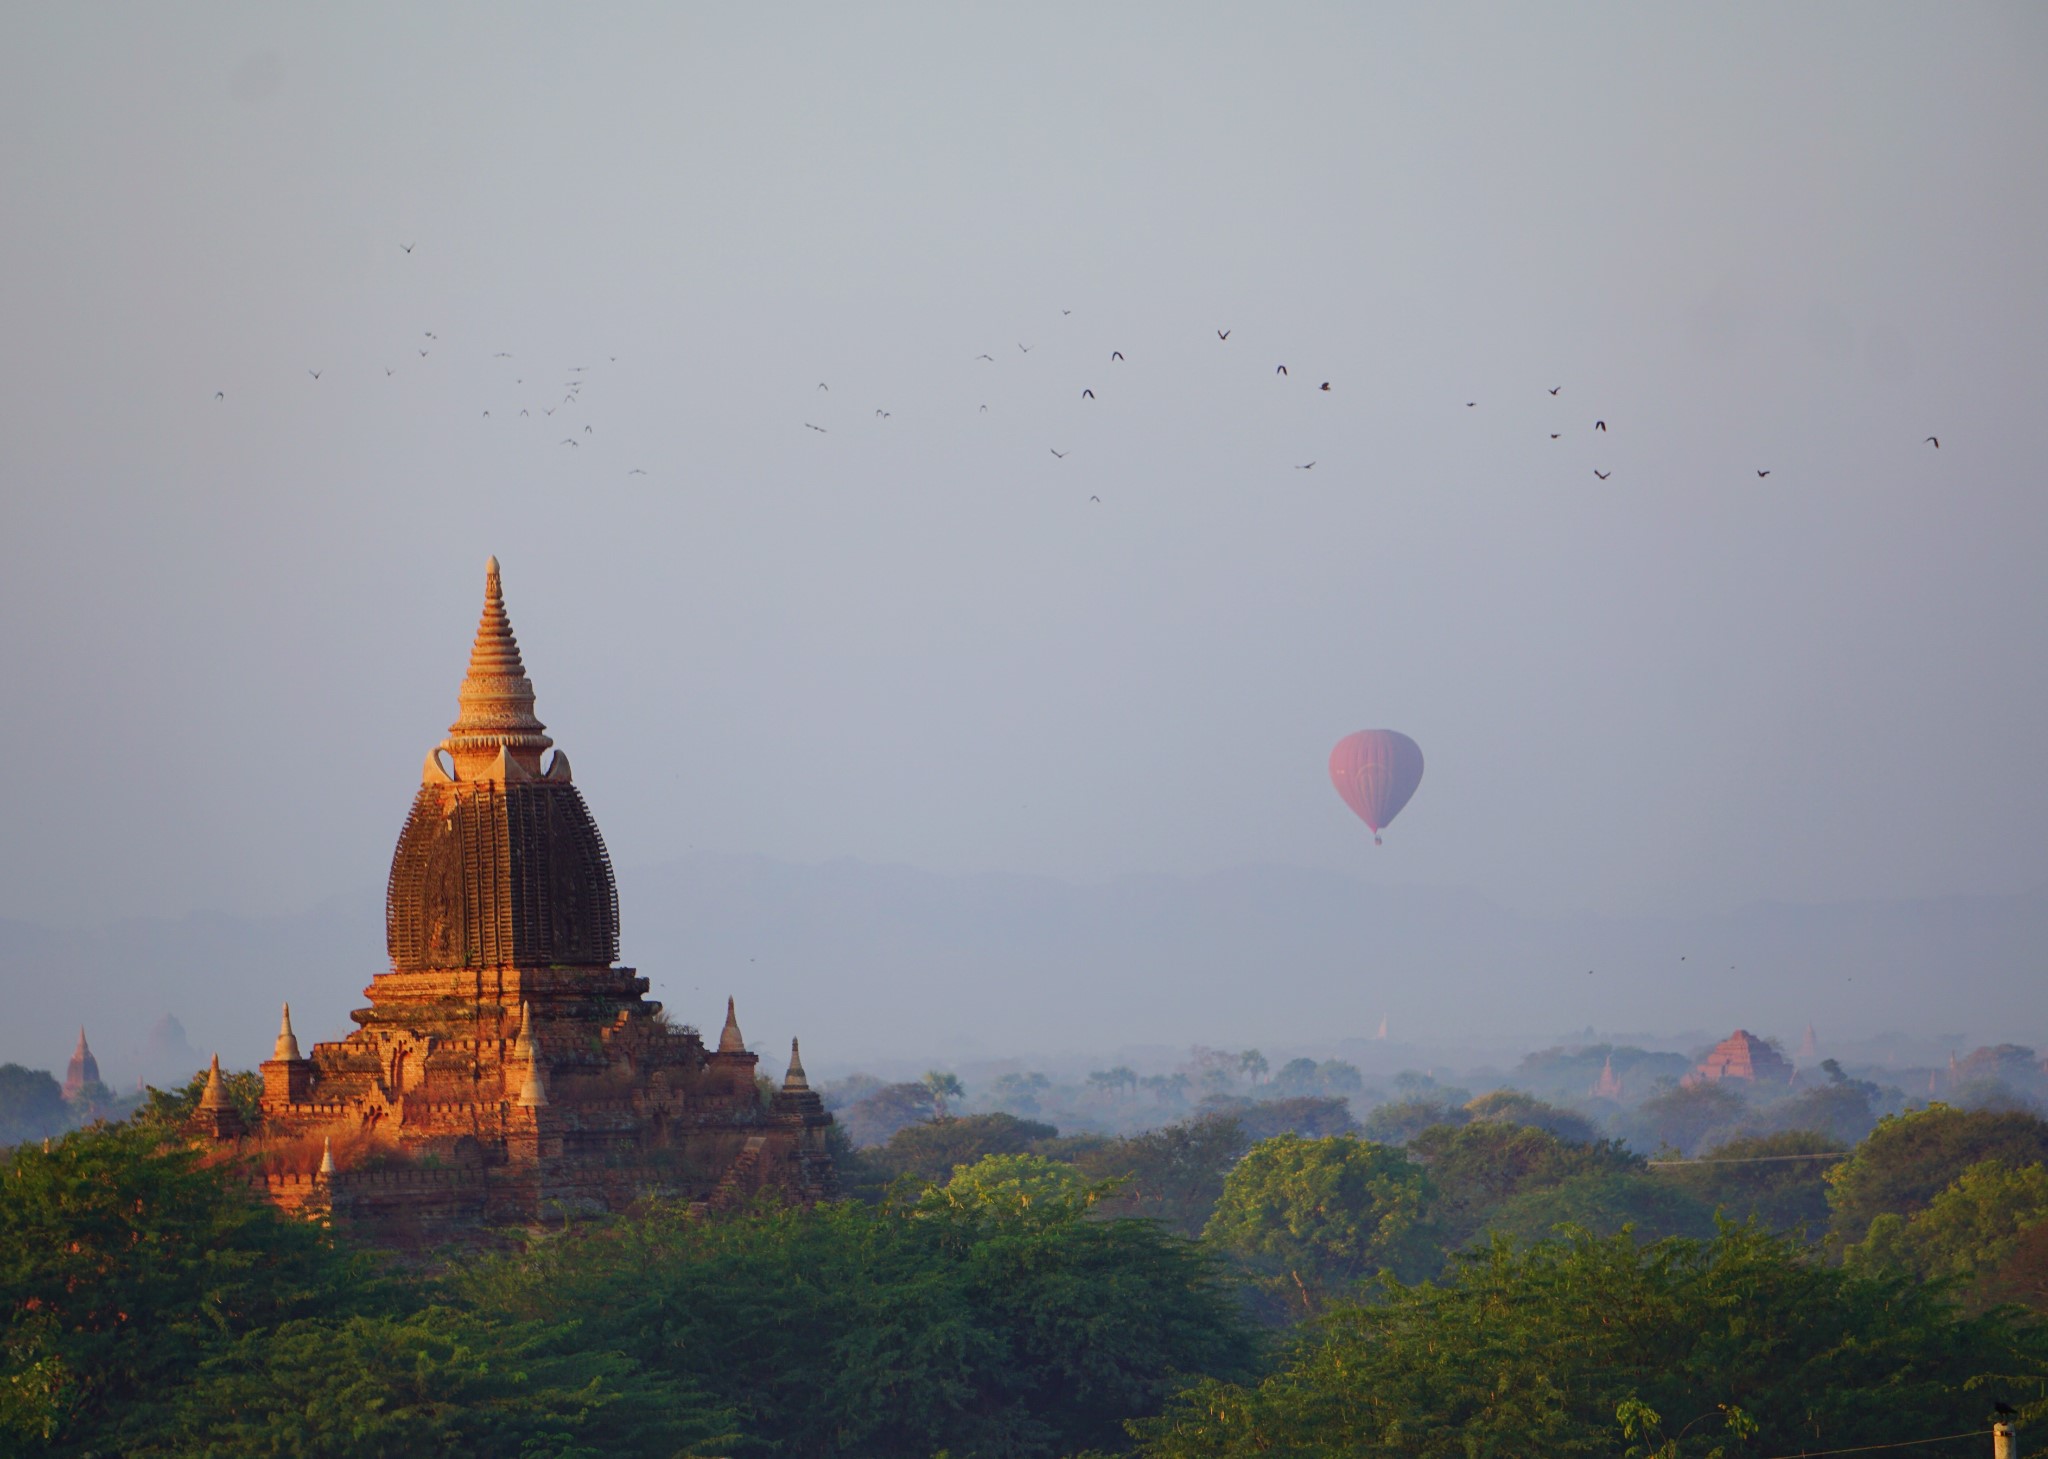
[{"x": 1376, "y": 771}]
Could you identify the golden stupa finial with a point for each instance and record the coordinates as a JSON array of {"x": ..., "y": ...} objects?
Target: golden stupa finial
[
  {"x": 216, "y": 1094},
  {"x": 495, "y": 735}
]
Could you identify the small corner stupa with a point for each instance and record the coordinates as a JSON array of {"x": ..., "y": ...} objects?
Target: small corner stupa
[{"x": 507, "y": 1070}]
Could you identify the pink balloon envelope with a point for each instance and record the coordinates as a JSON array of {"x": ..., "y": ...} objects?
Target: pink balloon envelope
[{"x": 1376, "y": 771}]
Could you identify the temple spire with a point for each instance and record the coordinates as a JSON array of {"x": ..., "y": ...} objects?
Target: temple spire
[
  {"x": 495, "y": 734},
  {"x": 287, "y": 1041},
  {"x": 327, "y": 1159},
  {"x": 533, "y": 1094},
  {"x": 729, "y": 1040},
  {"x": 216, "y": 1095},
  {"x": 794, "y": 1079}
]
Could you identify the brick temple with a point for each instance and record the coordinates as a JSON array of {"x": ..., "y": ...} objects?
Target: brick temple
[{"x": 507, "y": 1070}]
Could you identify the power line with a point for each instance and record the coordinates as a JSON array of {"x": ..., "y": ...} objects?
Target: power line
[
  {"x": 1753, "y": 1159},
  {"x": 1867, "y": 1448}
]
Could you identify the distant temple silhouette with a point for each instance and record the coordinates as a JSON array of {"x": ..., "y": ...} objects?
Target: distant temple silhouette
[
  {"x": 83, "y": 1069},
  {"x": 1745, "y": 1057},
  {"x": 506, "y": 1070}
]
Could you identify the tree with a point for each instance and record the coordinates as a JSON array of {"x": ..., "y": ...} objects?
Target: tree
[
  {"x": 1311, "y": 1218},
  {"x": 1764, "y": 1178},
  {"x": 439, "y": 1381},
  {"x": 31, "y": 1105},
  {"x": 966, "y": 1320},
  {"x": 1111, "y": 1081},
  {"x": 1400, "y": 1122},
  {"x": 874, "y": 1118},
  {"x": 1512, "y": 1107},
  {"x": 1602, "y": 1203},
  {"x": 1966, "y": 1232},
  {"x": 1573, "y": 1347},
  {"x": 1313, "y": 1115},
  {"x": 167, "y": 1111},
  {"x": 1911, "y": 1158},
  {"x": 1477, "y": 1167},
  {"x": 1020, "y": 1092},
  {"x": 1686, "y": 1118},
  {"x": 1253, "y": 1063},
  {"x": 933, "y": 1151},
  {"x": 1172, "y": 1175},
  {"x": 126, "y": 1261},
  {"x": 943, "y": 1086}
]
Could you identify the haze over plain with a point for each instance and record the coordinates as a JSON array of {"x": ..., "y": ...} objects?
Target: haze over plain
[{"x": 1748, "y": 241}]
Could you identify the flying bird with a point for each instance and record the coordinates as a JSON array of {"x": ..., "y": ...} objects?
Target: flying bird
[
  {"x": 487, "y": 415},
  {"x": 881, "y": 415},
  {"x": 1223, "y": 334},
  {"x": 1603, "y": 475},
  {"x": 1761, "y": 475},
  {"x": 1306, "y": 466},
  {"x": 408, "y": 247},
  {"x": 571, "y": 441},
  {"x": 990, "y": 358},
  {"x": 588, "y": 431},
  {"x": 1935, "y": 441},
  {"x": 1279, "y": 369},
  {"x": 1094, "y": 498},
  {"x": 423, "y": 354},
  {"x": 549, "y": 409},
  {"x": 220, "y": 395},
  {"x": 636, "y": 471},
  {"x": 1470, "y": 403},
  {"x": 1061, "y": 454},
  {"x": 1116, "y": 354},
  {"x": 1553, "y": 435},
  {"x": 1324, "y": 386},
  {"x": 984, "y": 410},
  {"x": 502, "y": 355},
  {"x": 1555, "y": 388},
  {"x": 430, "y": 334},
  {"x": 1024, "y": 347},
  {"x": 824, "y": 387},
  {"x": 526, "y": 412},
  {"x": 1087, "y": 394},
  {"x": 1599, "y": 425},
  {"x": 809, "y": 427},
  {"x": 388, "y": 373}
]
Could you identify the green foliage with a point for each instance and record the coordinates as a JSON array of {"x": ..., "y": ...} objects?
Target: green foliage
[
  {"x": 1604, "y": 1204},
  {"x": 1309, "y": 1219},
  {"x": 1479, "y": 1166},
  {"x": 1686, "y": 1118},
  {"x": 1590, "y": 1346},
  {"x": 1911, "y": 1158},
  {"x": 1172, "y": 1175},
  {"x": 1965, "y": 1232},
  {"x": 167, "y": 1110},
  {"x": 1513, "y": 1107},
  {"x": 438, "y": 1381},
  {"x": 1308, "y": 1114},
  {"x": 123, "y": 1264},
  {"x": 1026, "y": 1189},
  {"x": 1403, "y": 1120},
  {"x": 1844, "y": 1111},
  {"x": 972, "y": 1323},
  {"x": 881, "y": 1112},
  {"x": 931, "y": 1151},
  {"x": 1761, "y": 1178},
  {"x": 31, "y": 1105}
]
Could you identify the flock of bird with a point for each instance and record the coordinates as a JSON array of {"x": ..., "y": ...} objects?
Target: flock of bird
[
  {"x": 1115, "y": 358},
  {"x": 541, "y": 404}
]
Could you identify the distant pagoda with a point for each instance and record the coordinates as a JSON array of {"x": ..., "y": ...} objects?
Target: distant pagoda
[
  {"x": 1743, "y": 1057},
  {"x": 506, "y": 1070},
  {"x": 83, "y": 1069}
]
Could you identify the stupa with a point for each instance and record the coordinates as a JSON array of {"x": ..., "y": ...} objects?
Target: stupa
[{"x": 507, "y": 1070}]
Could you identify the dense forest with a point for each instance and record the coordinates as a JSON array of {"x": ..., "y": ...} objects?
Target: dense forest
[{"x": 1269, "y": 1276}]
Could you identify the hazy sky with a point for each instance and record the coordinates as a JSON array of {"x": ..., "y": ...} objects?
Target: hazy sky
[{"x": 1797, "y": 239}]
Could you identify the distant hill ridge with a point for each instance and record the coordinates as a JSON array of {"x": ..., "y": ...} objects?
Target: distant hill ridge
[{"x": 873, "y": 962}]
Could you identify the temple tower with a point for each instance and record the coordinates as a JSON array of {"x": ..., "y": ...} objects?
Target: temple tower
[
  {"x": 83, "y": 1069},
  {"x": 506, "y": 1069}
]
